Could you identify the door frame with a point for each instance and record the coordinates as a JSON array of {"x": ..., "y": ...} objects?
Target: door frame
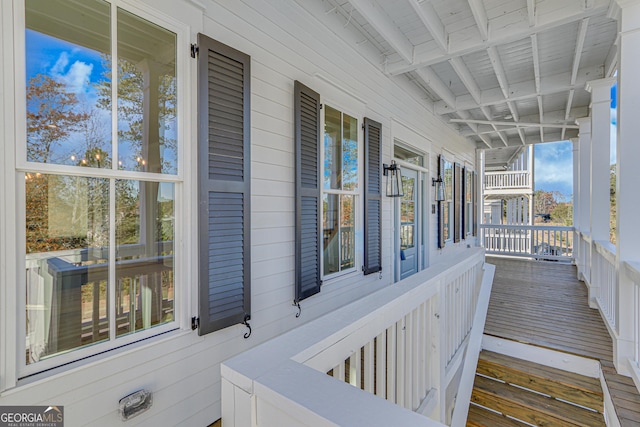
[{"x": 422, "y": 223}]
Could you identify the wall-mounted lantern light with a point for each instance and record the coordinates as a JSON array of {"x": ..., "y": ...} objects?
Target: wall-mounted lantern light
[
  {"x": 439, "y": 185},
  {"x": 394, "y": 179}
]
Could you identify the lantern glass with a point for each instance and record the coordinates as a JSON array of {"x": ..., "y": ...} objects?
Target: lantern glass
[{"x": 394, "y": 180}]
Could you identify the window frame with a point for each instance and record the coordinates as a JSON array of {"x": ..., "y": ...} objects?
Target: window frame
[
  {"x": 13, "y": 370},
  {"x": 357, "y": 194},
  {"x": 449, "y": 201}
]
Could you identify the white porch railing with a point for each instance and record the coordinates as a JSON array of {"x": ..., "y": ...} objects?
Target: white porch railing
[
  {"x": 405, "y": 344},
  {"x": 549, "y": 243},
  {"x": 604, "y": 281},
  {"x": 507, "y": 180},
  {"x": 633, "y": 272}
]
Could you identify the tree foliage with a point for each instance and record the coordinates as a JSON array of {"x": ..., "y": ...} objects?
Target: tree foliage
[{"x": 53, "y": 114}]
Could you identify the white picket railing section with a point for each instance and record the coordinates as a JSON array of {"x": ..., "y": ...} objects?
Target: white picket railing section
[
  {"x": 551, "y": 243},
  {"x": 507, "y": 180},
  {"x": 407, "y": 344},
  {"x": 633, "y": 272},
  {"x": 604, "y": 281}
]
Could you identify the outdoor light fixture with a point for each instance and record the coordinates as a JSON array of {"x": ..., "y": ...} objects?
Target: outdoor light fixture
[
  {"x": 394, "y": 179},
  {"x": 439, "y": 184}
]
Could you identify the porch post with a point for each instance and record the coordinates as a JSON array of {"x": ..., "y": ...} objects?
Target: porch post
[
  {"x": 600, "y": 154},
  {"x": 585, "y": 196},
  {"x": 628, "y": 202},
  {"x": 577, "y": 256}
]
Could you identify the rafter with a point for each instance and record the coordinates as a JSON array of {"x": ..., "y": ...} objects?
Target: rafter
[
  {"x": 383, "y": 25},
  {"x": 582, "y": 34},
  {"x": 434, "y": 82},
  {"x": 541, "y": 114},
  {"x": 496, "y": 62},
  {"x": 536, "y": 60},
  {"x": 464, "y": 118},
  {"x": 531, "y": 12},
  {"x": 469, "y": 82},
  {"x": 514, "y": 124},
  {"x": 429, "y": 18},
  {"x": 547, "y": 16},
  {"x": 525, "y": 90},
  {"x": 480, "y": 16}
]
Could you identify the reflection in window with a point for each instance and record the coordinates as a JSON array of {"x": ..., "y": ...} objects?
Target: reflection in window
[
  {"x": 338, "y": 233},
  {"x": 340, "y": 176},
  {"x": 144, "y": 255},
  {"x": 72, "y": 300},
  {"x": 67, "y": 237},
  {"x": 146, "y": 96},
  {"x": 468, "y": 185},
  {"x": 66, "y": 123},
  {"x": 448, "y": 199},
  {"x": 407, "y": 213}
]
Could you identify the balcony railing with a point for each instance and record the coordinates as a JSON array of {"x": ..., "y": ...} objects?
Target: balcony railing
[
  {"x": 604, "y": 281},
  {"x": 507, "y": 180},
  {"x": 548, "y": 243},
  {"x": 391, "y": 358}
]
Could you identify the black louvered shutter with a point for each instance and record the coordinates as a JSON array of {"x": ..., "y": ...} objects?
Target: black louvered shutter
[
  {"x": 463, "y": 214},
  {"x": 457, "y": 201},
  {"x": 441, "y": 205},
  {"x": 223, "y": 185},
  {"x": 372, "y": 197},
  {"x": 308, "y": 202},
  {"x": 475, "y": 203}
]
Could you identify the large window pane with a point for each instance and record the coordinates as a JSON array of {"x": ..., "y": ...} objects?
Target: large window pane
[
  {"x": 68, "y": 82},
  {"x": 347, "y": 232},
  {"x": 67, "y": 234},
  {"x": 147, "y": 129},
  {"x": 332, "y": 149},
  {"x": 350, "y": 153},
  {"x": 144, "y": 255}
]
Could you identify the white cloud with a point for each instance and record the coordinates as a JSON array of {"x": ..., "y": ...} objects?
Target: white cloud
[
  {"x": 60, "y": 65},
  {"x": 76, "y": 78}
]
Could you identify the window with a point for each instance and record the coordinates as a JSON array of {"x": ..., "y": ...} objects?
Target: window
[
  {"x": 327, "y": 190},
  {"x": 339, "y": 191},
  {"x": 448, "y": 200},
  {"x": 101, "y": 173},
  {"x": 468, "y": 207}
]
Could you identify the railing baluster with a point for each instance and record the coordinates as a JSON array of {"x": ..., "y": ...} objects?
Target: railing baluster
[
  {"x": 369, "y": 366},
  {"x": 381, "y": 365},
  {"x": 392, "y": 346}
]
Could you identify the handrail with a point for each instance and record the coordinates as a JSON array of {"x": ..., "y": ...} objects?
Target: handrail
[
  {"x": 553, "y": 243},
  {"x": 288, "y": 375}
]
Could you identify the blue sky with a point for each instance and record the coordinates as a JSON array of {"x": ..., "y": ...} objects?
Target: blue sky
[{"x": 554, "y": 160}]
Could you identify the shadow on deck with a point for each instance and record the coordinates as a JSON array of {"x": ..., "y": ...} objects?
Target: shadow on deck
[{"x": 544, "y": 304}]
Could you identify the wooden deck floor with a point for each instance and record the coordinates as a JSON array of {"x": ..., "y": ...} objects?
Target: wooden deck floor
[{"x": 543, "y": 304}]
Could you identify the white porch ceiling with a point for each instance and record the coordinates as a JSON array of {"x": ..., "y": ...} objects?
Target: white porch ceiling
[{"x": 504, "y": 73}]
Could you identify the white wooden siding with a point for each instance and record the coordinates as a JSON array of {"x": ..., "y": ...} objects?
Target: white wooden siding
[{"x": 286, "y": 42}]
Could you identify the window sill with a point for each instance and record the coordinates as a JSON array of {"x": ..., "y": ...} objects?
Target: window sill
[{"x": 95, "y": 360}]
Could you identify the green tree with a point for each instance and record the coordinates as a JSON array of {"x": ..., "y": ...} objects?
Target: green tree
[
  {"x": 52, "y": 115},
  {"x": 612, "y": 203}
]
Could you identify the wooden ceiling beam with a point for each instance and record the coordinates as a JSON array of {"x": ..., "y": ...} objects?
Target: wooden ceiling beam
[
  {"x": 547, "y": 16},
  {"x": 480, "y": 16},
  {"x": 531, "y": 12},
  {"x": 513, "y": 124},
  {"x": 432, "y": 22},
  {"x": 434, "y": 82},
  {"x": 387, "y": 29},
  {"x": 525, "y": 90},
  {"x": 582, "y": 34}
]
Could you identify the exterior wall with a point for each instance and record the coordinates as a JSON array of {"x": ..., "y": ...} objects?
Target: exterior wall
[{"x": 287, "y": 41}]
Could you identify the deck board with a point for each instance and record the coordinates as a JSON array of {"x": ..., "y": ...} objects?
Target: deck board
[{"x": 543, "y": 304}]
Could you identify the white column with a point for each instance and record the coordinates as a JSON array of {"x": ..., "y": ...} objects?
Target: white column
[
  {"x": 600, "y": 153},
  {"x": 584, "y": 135},
  {"x": 628, "y": 159},
  {"x": 576, "y": 205}
]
